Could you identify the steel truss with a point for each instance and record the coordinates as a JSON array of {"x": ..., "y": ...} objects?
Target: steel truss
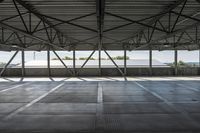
[{"x": 154, "y": 35}]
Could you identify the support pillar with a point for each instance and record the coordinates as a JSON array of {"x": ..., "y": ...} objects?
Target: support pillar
[
  {"x": 100, "y": 58},
  {"x": 199, "y": 58},
  {"x": 74, "y": 62},
  {"x": 48, "y": 61},
  {"x": 125, "y": 63},
  {"x": 197, "y": 43},
  {"x": 176, "y": 62},
  {"x": 150, "y": 62},
  {"x": 23, "y": 63}
]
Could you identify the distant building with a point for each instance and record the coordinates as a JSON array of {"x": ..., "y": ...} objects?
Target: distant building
[{"x": 92, "y": 63}]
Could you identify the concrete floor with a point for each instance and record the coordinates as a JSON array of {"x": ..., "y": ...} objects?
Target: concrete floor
[{"x": 98, "y": 105}]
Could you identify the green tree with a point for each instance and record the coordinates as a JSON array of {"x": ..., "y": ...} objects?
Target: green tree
[
  {"x": 67, "y": 58},
  {"x": 180, "y": 64},
  {"x": 2, "y": 64},
  {"x": 54, "y": 59},
  {"x": 120, "y": 58},
  {"x": 85, "y": 58},
  {"x": 103, "y": 58}
]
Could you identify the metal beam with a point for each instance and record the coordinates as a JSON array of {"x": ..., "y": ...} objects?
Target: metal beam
[
  {"x": 114, "y": 62},
  {"x": 137, "y": 22},
  {"x": 66, "y": 21},
  {"x": 170, "y": 35},
  {"x": 22, "y": 19},
  {"x": 2, "y": 35},
  {"x": 88, "y": 58},
  {"x": 3, "y": 70},
  {"x": 12, "y": 17},
  {"x": 186, "y": 16},
  {"x": 177, "y": 32},
  {"x": 166, "y": 10},
  {"x": 6, "y": 26},
  {"x": 100, "y": 12},
  {"x": 178, "y": 16},
  {"x": 59, "y": 58},
  {"x": 33, "y": 10}
]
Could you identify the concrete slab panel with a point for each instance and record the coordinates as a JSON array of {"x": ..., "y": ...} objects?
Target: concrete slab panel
[
  {"x": 146, "y": 98},
  {"x": 148, "y": 122},
  {"x": 101, "y": 106},
  {"x": 196, "y": 116},
  {"x": 138, "y": 108},
  {"x": 16, "y": 98},
  {"x": 60, "y": 109},
  {"x": 69, "y": 99},
  {"x": 181, "y": 98},
  {"x": 50, "y": 122},
  {"x": 189, "y": 107},
  {"x": 125, "y": 92},
  {"x": 6, "y": 108}
]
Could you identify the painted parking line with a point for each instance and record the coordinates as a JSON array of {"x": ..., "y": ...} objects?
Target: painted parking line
[
  {"x": 9, "y": 116},
  {"x": 14, "y": 87},
  {"x": 182, "y": 112},
  {"x": 185, "y": 86},
  {"x": 99, "y": 115}
]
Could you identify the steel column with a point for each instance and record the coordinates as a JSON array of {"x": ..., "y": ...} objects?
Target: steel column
[
  {"x": 100, "y": 59},
  {"x": 23, "y": 63},
  {"x": 48, "y": 61},
  {"x": 150, "y": 61},
  {"x": 196, "y": 39},
  {"x": 100, "y": 10},
  {"x": 199, "y": 58},
  {"x": 74, "y": 62},
  {"x": 176, "y": 62},
  {"x": 125, "y": 62}
]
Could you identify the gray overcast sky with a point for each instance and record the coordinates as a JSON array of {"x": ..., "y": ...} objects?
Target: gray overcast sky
[{"x": 162, "y": 56}]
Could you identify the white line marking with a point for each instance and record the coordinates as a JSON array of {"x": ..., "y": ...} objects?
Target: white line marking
[
  {"x": 14, "y": 87},
  {"x": 31, "y": 103},
  {"x": 184, "y": 113},
  {"x": 100, "y": 93},
  {"x": 182, "y": 85},
  {"x": 191, "y": 88},
  {"x": 153, "y": 93},
  {"x": 99, "y": 113}
]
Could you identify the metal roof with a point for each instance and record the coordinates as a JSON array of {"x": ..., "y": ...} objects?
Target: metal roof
[{"x": 99, "y": 25}]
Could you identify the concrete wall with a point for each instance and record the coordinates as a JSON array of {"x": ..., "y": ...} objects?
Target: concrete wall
[{"x": 62, "y": 72}]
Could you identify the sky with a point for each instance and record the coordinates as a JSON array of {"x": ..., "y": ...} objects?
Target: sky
[{"x": 162, "y": 56}]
